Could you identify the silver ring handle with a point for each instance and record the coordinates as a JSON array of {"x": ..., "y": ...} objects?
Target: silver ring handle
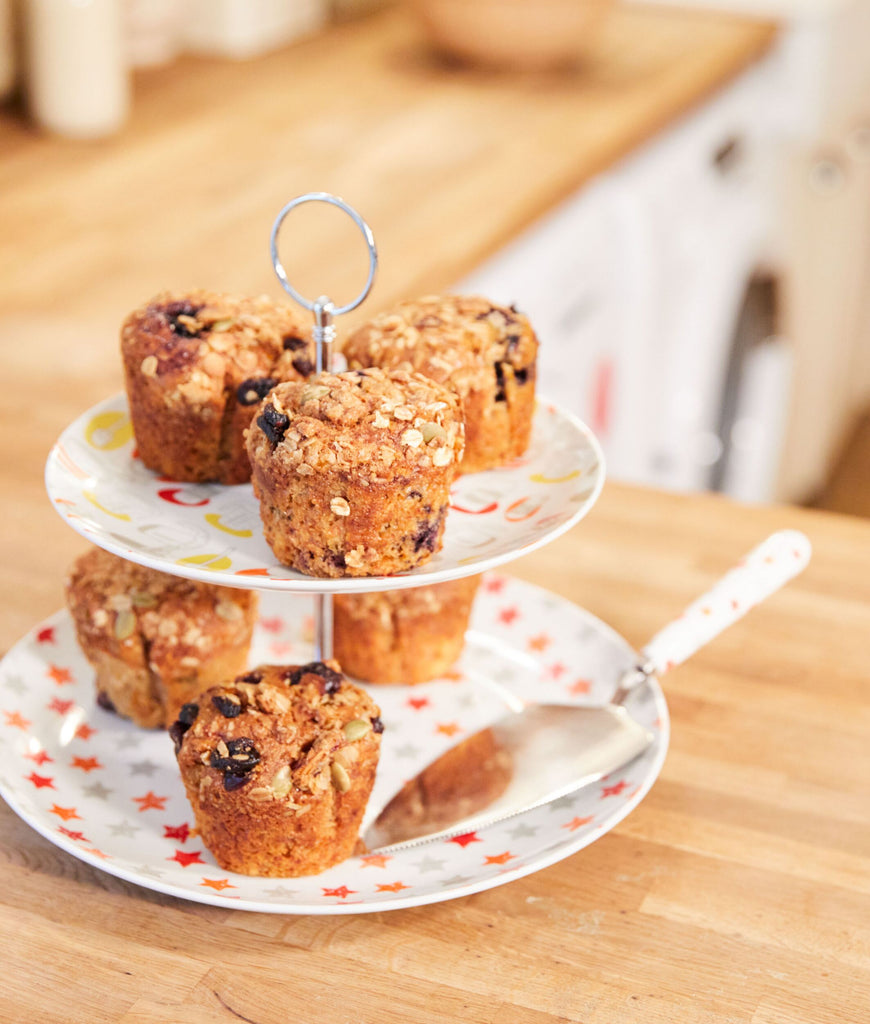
[{"x": 322, "y": 301}]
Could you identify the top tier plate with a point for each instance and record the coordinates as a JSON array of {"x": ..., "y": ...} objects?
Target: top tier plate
[{"x": 213, "y": 533}]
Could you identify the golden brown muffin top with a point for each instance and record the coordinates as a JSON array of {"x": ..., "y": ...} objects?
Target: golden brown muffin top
[
  {"x": 384, "y": 423},
  {"x": 452, "y": 339},
  {"x": 279, "y": 732},
  {"x": 123, "y": 608},
  {"x": 198, "y": 344}
]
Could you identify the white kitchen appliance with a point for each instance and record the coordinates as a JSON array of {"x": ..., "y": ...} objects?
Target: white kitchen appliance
[
  {"x": 635, "y": 285},
  {"x": 648, "y": 286}
]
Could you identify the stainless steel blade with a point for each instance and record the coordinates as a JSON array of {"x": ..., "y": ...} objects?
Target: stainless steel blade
[{"x": 553, "y": 750}]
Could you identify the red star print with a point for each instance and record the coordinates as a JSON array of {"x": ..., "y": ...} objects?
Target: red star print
[
  {"x": 375, "y": 860},
  {"x": 554, "y": 671},
  {"x": 342, "y": 892},
  {"x": 60, "y": 706},
  {"x": 40, "y": 781},
  {"x": 579, "y": 687},
  {"x": 15, "y": 719},
  {"x": 84, "y": 731},
  {"x": 181, "y": 833},
  {"x": 271, "y": 625},
  {"x": 60, "y": 675},
  {"x": 280, "y": 650},
  {"x": 417, "y": 702},
  {"x": 448, "y": 728},
  {"x": 494, "y": 585},
  {"x": 393, "y": 887},
  {"x": 465, "y": 839},
  {"x": 46, "y": 635},
  {"x": 78, "y": 836},
  {"x": 218, "y": 884},
  {"x": 508, "y": 615},
  {"x": 40, "y": 758},
  {"x": 499, "y": 858},
  {"x": 615, "y": 789},
  {"x": 576, "y": 823},
  {"x": 186, "y": 859},
  {"x": 86, "y": 764},
  {"x": 539, "y": 642},
  {"x": 65, "y": 813},
  {"x": 150, "y": 801},
  {"x": 98, "y": 853}
]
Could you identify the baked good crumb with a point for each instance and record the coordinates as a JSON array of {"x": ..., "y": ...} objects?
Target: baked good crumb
[{"x": 465, "y": 780}]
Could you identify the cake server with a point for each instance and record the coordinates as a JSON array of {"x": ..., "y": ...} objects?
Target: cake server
[{"x": 536, "y": 753}]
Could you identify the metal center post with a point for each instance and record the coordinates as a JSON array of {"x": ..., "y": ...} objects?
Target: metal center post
[{"x": 323, "y": 333}]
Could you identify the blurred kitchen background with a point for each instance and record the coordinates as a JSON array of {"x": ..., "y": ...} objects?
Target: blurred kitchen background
[{"x": 703, "y": 300}]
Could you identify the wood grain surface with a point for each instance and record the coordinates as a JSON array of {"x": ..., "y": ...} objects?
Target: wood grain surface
[{"x": 739, "y": 891}]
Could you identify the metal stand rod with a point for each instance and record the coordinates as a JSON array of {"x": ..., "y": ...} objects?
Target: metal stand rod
[
  {"x": 323, "y": 334},
  {"x": 322, "y": 627}
]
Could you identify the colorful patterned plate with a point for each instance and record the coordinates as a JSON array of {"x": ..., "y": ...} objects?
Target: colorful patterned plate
[
  {"x": 110, "y": 794},
  {"x": 206, "y": 530}
]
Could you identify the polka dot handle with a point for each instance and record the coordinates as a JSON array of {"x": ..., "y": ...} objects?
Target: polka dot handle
[{"x": 761, "y": 573}]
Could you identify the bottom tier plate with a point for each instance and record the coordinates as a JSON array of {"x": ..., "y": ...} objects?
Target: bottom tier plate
[{"x": 110, "y": 794}]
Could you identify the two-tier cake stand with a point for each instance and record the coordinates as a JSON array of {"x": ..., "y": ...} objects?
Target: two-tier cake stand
[{"x": 110, "y": 793}]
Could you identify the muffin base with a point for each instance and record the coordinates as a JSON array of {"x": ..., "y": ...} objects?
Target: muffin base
[
  {"x": 390, "y": 527},
  {"x": 152, "y": 701},
  {"x": 274, "y": 843},
  {"x": 132, "y": 692},
  {"x": 496, "y": 433},
  {"x": 398, "y": 638}
]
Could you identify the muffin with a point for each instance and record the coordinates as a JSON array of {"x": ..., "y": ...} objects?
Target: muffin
[
  {"x": 403, "y": 636},
  {"x": 465, "y": 780},
  {"x": 353, "y": 470},
  {"x": 155, "y": 641},
  {"x": 197, "y": 365},
  {"x": 278, "y": 767},
  {"x": 485, "y": 353}
]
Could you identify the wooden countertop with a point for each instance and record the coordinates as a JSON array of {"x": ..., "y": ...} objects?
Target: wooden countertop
[{"x": 737, "y": 893}]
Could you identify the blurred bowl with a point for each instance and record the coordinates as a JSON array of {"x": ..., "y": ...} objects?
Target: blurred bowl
[{"x": 522, "y": 34}]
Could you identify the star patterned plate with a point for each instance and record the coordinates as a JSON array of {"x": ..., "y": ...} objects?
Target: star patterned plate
[
  {"x": 213, "y": 533},
  {"x": 109, "y": 793}
]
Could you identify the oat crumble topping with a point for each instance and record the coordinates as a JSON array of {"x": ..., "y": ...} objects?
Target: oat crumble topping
[{"x": 373, "y": 418}]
